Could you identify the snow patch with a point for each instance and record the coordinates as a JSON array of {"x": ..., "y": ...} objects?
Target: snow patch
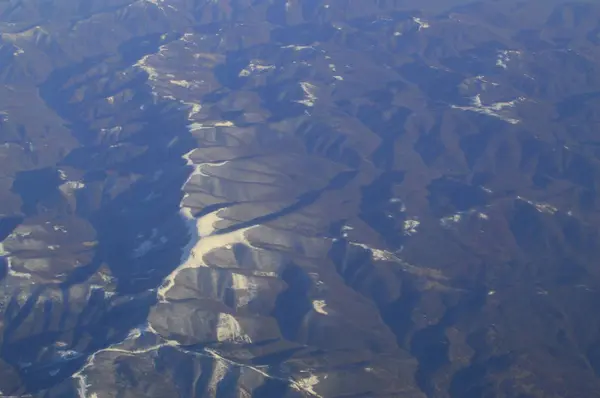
[
  {"x": 255, "y": 67},
  {"x": 307, "y": 384},
  {"x": 539, "y": 206},
  {"x": 504, "y": 57},
  {"x": 71, "y": 186},
  {"x": 422, "y": 24},
  {"x": 202, "y": 234},
  {"x": 410, "y": 227},
  {"x": 447, "y": 222},
  {"x": 229, "y": 329},
  {"x": 150, "y": 71},
  {"x": 299, "y": 48},
  {"x": 319, "y": 307},
  {"x": 245, "y": 289},
  {"x": 182, "y": 83},
  {"x": 497, "y": 109},
  {"x": 309, "y": 93}
]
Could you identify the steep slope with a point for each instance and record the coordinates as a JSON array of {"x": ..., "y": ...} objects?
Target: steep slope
[{"x": 299, "y": 198}]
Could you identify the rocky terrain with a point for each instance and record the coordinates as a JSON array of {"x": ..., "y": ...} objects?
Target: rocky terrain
[{"x": 301, "y": 198}]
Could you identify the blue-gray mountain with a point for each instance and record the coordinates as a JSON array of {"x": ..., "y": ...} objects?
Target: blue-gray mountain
[{"x": 301, "y": 198}]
